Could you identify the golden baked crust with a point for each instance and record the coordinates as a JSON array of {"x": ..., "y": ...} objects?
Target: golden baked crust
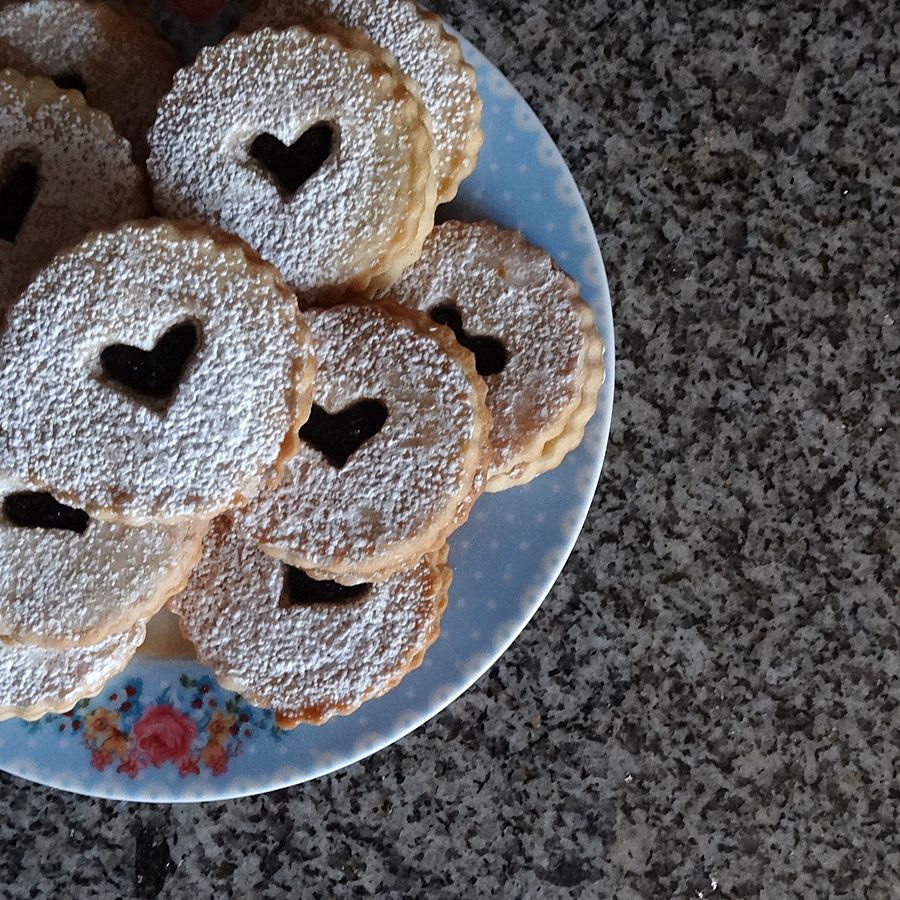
[
  {"x": 227, "y": 424},
  {"x": 124, "y": 66},
  {"x": 307, "y": 661},
  {"x": 63, "y": 588},
  {"x": 412, "y": 482},
  {"x": 354, "y": 220},
  {"x": 86, "y": 176},
  {"x": 425, "y": 52},
  {"x": 555, "y": 448},
  {"x": 35, "y": 681},
  {"x": 544, "y": 378}
]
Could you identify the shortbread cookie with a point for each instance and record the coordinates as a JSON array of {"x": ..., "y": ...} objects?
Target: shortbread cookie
[
  {"x": 63, "y": 171},
  {"x": 424, "y": 51},
  {"x": 156, "y": 371},
  {"x": 67, "y": 579},
  {"x": 35, "y": 681},
  {"x": 534, "y": 338},
  {"x": 119, "y": 65},
  {"x": 344, "y": 202},
  {"x": 307, "y": 649},
  {"x": 392, "y": 456}
]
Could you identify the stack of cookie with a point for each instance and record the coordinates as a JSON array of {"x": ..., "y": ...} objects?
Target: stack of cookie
[{"x": 271, "y": 408}]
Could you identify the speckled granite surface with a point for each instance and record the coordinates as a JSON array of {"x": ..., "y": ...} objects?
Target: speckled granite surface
[{"x": 707, "y": 704}]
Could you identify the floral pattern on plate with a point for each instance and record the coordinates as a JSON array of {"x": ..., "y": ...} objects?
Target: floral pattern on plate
[
  {"x": 197, "y": 725},
  {"x": 504, "y": 559}
]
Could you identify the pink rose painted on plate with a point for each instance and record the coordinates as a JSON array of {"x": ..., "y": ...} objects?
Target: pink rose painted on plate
[
  {"x": 195, "y": 727},
  {"x": 164, "y": 734}
]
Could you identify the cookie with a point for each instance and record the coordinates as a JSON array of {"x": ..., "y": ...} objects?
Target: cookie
[
  {"x": 307, "y": 649},
  {"x": 392, "y": 456},
  {"x": 315, "y": 153},
  {"x": 119, "y": 65},
  {"x": 156, "y": 371},
  {"x": 423, "y": 50},
  {"x": 63, "y": 171},
  {"x": 535, "y": 340},
  {"x": 67, "y": 580},
  {"x": 35, "y": 681}
]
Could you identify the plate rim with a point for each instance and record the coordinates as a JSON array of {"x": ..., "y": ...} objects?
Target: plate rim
[{"x": 214, "y": 791}]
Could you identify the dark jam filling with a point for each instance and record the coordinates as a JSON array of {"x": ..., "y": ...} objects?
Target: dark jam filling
[
  {"x": 70, "y": 81},
  {"x": 490, "y": 354},
  {"x": 37, "y": 509},
  {"x": 291, "y": 167},
  {"x": 17, "y": 194},
  {"x": 301, "y": 590},
  {"x": 338, "y": 436},
  {"x": 152, "y": 374}
]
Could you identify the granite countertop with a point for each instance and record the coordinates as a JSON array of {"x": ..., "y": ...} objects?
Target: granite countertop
[{"x": 707, "y": 703}]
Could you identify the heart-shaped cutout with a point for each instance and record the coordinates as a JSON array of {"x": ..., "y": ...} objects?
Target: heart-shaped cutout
[
  {"x": 70, "y": 81},
  {"x": 17, "y": 194},
  {"x": 300, "y": 590},
  {"x": 291, "y": 167},
  {"x": 490, "y": 354},
  {"x": 152, "y": 374},
  {"x": 38, "y": 509},
  {"x": 339, "y": 435}
]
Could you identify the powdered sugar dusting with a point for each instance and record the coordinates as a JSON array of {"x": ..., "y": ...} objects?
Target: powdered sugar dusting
[
  {"x": 507, "y": 289},
  {"x": 363, "y": 206},
  {"x": 425, "y": 52},
  {"x": 65, "y": 426},
  {"x": 402, "y": 490},
  {"x": 59, "y": 588},
  {"x": 307, "y": 662},
  {"x": 35, "y": 681},
  {"x": 125, "y": 68},
  {"x": 87, "y": 178}
]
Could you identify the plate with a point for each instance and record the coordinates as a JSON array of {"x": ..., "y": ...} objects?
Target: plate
[{"x": 164, "y": 731}]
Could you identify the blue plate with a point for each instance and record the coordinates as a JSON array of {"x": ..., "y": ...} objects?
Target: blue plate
[{"x": 165, "y": 731}]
